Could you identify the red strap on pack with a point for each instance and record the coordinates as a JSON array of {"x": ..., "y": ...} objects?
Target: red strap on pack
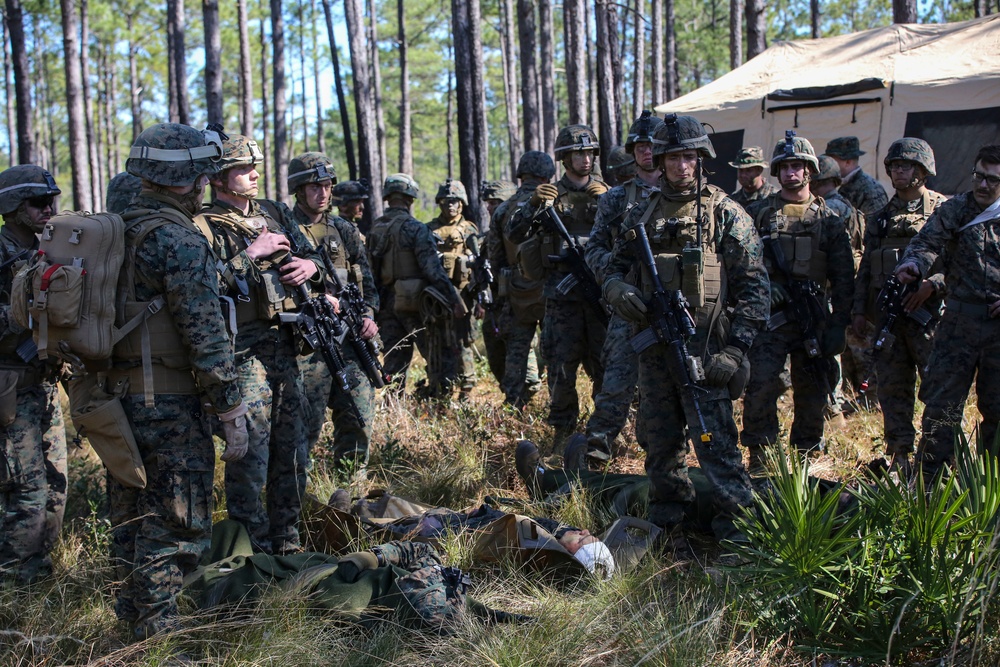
[{"x": 47, "y": 276}]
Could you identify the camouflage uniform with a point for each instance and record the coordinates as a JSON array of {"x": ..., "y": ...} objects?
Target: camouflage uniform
[
  {"x": 269, "y": 377},
  {"x": 751, "y": 156},
  {"x": 733, "y": 250},
  {"x": 159, "y": 533},
  {"x": 862, "y": 191},
  {"x": 401, "y": 248},
  {"x": 745, "y": 200},
  {"x": 967, "y": 340},
  {"x": 121, "y": 189},
  {"x": 33, "y": 457},
  {"x": 831, "y": 265}
]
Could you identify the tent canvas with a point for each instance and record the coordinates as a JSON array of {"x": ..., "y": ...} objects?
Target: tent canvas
[{"x": 938, "y": 82}]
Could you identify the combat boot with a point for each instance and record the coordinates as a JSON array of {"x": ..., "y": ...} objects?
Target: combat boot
[
  {"x": 575, "y": 454},
  {"x": 528, "y": 463}
]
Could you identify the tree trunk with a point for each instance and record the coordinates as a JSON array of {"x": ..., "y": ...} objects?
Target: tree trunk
[
  {"x": 133, "y": 79},
  {"x": 639, "y": 58},
  {"x": 320, "y": 133},
  {"x": 368, "y": 150},
  {"x": 510, "y": 90},
  {"x": 981, "y": 8},
  {"x": 448, "y": 113},
  {"x": 111, "y": 109},
  {"x": 280, "y": 102},
  {"x": 265, "y": 134},
  {"x": 736, "y": 33},
  {"x": 383, "y": 160},
  {"x": 591, "y": 71},
  {"x": 547, "y": 75},
  {"x": 575, "y": 38},
  {"x": 609, "y": 121},
  {"x": 22, "y": 82},
  {"x": 756, "y": 12},
  {"x": 905, "y": 11},
  {"x": 813, "y": 18},
  {"x": 338, "y": 81},
  {"x": 213, "y": 60},
  {"x": 405, "y": 130},
  {"x": 529, "y": 75},
  {"x": 246, "y": 72},
  {"x": 78, "y": 154},
  {"x": 177, "y": 59},
  {"x": 93, "y": 142},
  {"x": 466, "y": 21},
  {"x": 41, "y": 111},
  {"x": 302, "y": 71},
  {"x": 8, "y": 87},
  {"x": 658, "y": 84},
  {"x": 670, "y": 42}
]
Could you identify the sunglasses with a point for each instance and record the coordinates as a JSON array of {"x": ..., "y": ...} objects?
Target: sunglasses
[
  {"x": 41, "y": 202},
  {"x": 991, "y": 180}
]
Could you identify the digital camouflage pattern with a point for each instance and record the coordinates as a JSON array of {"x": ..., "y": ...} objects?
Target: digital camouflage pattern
[
  {"x": 185, "y": 162},
  {"x": 665, "y": 431},
  {"x": 239, "y": 150},
  {"x": 348, "y": 191},
  {"x": 272, "y": 388},
  {"x": 121, "y": 189},
  {"x": 744, "y": 199},
  {"x": 914, "y": 150},
  {"x": 772, "y": 348},
  {"x": 828, "y": 169},
  {"x": 967, "y": 345},
  {"x": 642, "y": 129},
  {"x": 537, "y": 164},
  {"x": 863, "y": 192},
  {"x": 576, "y": 138},
  {"x": 22, "y": 182},
  {"x": 801, "y": 149},
  {"x": 452, "y": 189},
  {"x": 401, "y": 183},
  {"x": 500, "y": 190},
  {"x": 846, "y": 148},
  {"x": 682, "y": 133},
  {"x": 312, "y": 167},
  {"x": 749, "y": 156},
  {"x": 160, "y": 532},
  {"x": 621, "y": 165}
]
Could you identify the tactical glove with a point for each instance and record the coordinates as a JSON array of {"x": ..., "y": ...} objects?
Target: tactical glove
[
  {"x": 352, "y": 565},
  {"x": 544, "y": 193},
  {"x": 779, "y": 296},
  {"x": 834, "y": 341},
  {"x": 595, "y": 189},
  {"x": 625, "y": 299},
  {"x": 234, "y": 432},
  {"x": 723, "y": 366}
]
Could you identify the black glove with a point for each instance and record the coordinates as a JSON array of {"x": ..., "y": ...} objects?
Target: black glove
[
  {"x": 625, "y": 299},
  {"x": 834, "y": 341},
  {"x": 779, "y": 296}
]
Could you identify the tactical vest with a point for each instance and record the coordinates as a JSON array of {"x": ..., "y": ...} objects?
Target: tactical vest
[
  {"x": 697, "y": 271},
  {"x": 893, "y": 231},
  {"x": 798, "y": 228},
  {"x": 260, "y": 295},
  {"x": 451, "y": 246},
  {"x": 392, "y": 262},
  {"x": 10, "y": 342},
  {"x": 526, "y": 296},
  {"x": 576, "y": 209},
  {"x": 325, "y": 233}
]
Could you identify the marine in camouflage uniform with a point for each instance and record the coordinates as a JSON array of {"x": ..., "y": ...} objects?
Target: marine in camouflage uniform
[
  {"x": 621, "y": 363},
  {"x": 861, "y": 190},
  {"x": 967, "y": 340},
  {"x": 750, "y": 166},
  {"x": 403, "y": 255},
  {"x": 33, "y": 457},
  {"x": 350, "y": 198},
  {"x": 159, "y": 533},
  {"x": 524, "y": 304},
  {"x": 809, "y": 230},
  {"x": 496, "y": 319},
  {"x": 733, "y": 277},
  {"x": 311, "y": 178},
  {"x": 121, "y": 189},
  {"x": 266, "y": 259},
  {"x": 450, "y": 339},
  {"x": 908, "y": 162},
  {"x": 621, "y": 167},
  {"x": 572, "y": 332}
]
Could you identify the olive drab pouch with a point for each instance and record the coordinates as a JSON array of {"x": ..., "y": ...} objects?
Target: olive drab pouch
[
  {"x": 408, "y": 292},
  {"x": 99, "y": 416},
  {"x": 530, "y": 258},
  {"x": 693, "y": 279},
  {"x": 274, "y": 297},
  {"x": 8, "y": 396}
]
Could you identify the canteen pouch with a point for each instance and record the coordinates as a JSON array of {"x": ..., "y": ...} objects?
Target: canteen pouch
[
  {"x": 530, "y": 259},
  {"x": 693, "y": 282},
  {"x": 8, "y": 396},
  {"x": 102, "y": 420},
  {"x": 803, "y": 257},
  {"x": 408, "y": 291}
]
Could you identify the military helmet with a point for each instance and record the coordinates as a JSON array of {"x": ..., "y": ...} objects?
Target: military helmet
[
  {"x": 576, "y": 138},
  {"x": 536, "y": 163},
  {"x": 621, "y": 164},
  {"x": 642, "y": 130},
  {"x": 793, "y": 148},
  {"x": 239, "y": 150},
  {"x": 452, "y": 189},
  {"x": 912, "y": 149},
  {"x": 400, "y": 184},
  {"x": 502, "y": 190},
  {"x": 25, "y": 181},
  {"x": 828, "y": 169},
  {"x": 310, "y": 167},
  {"x": 175, "y": 155},
  {"x": 682, "y": 133},
  {"x": 349, "y": 191},
  {"x": 121, "y": 189}
]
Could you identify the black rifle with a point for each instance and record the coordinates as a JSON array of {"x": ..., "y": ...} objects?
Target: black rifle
[
  {"x": 890, "y": 302},
  {"x": 671, "y": 325},
  {"x": 580, "y": 276},
  {"x": 352, "y": 311},
  {"x": 480, "y": 285}
]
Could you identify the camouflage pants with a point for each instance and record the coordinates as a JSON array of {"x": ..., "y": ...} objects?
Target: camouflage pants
[
  {"x": 271, "y": 385},
  {"x": 571, "y": 335},
  {"x": 666, "y": 436},
  {"x": 159, "y": 533},
  {"x": 966, "y": 349},
  {"x": 399, "y": 335},
  {"x": 450, "y": 363},
  {"x": 760, "y": 404},
  {"x": 32, "y": 483},
  {"x": 621, "y": 374},
  {"x": 858, "y": 364},
  {"x": 350, "y": 438},
  {"x": 897, "y": 370},
  {"x": 495, "y": 344},
  {"x": 520, "y": 378}
]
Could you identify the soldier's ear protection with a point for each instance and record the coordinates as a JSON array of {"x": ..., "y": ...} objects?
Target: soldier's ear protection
[{"x": 214, "y": 136}]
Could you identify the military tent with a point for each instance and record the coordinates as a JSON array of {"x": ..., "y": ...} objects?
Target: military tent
[{"x": 940, "y": 82}]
